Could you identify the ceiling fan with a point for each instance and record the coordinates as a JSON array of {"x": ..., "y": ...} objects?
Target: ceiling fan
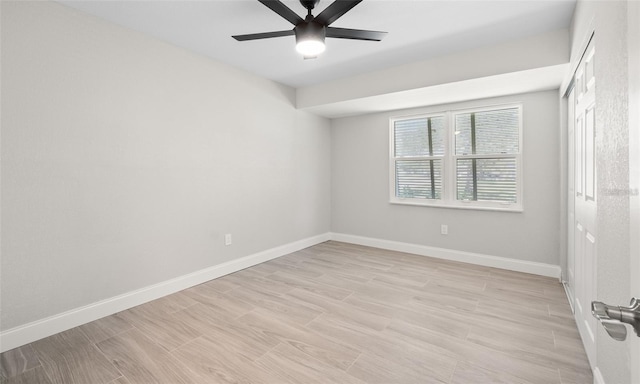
[{"x": 311, "y": 31}]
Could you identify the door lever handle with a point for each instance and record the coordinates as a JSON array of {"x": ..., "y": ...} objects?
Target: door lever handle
[{"x": 613, "y": 318}]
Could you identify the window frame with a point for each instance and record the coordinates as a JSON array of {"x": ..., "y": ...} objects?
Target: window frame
[
  {"x": 449, "y": 160},
  {"x": 393, "y": 158}
]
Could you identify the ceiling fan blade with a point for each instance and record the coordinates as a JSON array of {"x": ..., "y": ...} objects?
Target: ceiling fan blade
[
  {"x": 355, "y": 34},
  {"x": 264, "y": 35},
  {"x": 282, "y": 10},
  {"x": 334, "y": 11}
]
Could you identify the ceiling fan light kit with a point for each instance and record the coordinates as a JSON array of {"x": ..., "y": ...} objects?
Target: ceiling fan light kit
[
  {"x": 310, "y": 39},
  {"x": 310, "y": 32}
]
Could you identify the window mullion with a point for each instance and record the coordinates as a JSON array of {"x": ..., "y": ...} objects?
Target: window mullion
[
  {"x": 433, "y": 178},
  {"x": 474, "y": 160},
  {"x": 451, "y": 159}
]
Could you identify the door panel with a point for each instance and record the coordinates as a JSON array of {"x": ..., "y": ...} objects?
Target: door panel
[
  {"x": 579, "y": 155},
  {"x": 590, "y": 159},
  {"x": 590, "y": 322},
  {"x": 584, "y": 212}
]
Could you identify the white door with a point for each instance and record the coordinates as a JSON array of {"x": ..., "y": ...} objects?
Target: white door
[{"x": 585, "y": 201}]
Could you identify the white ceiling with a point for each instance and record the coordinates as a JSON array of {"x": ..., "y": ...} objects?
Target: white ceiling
[{"x": 418, "y": 30}]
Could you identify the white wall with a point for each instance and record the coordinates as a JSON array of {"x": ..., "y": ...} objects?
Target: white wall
[
  {"x": 125, "y": 160},
  {"x": 360, "y": 189},
  {"x": 609, "y": 20}
]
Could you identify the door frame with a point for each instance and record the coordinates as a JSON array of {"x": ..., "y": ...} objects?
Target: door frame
[
  {"x": 580, "y": 289},
  {"x": 633, "y": 49}
]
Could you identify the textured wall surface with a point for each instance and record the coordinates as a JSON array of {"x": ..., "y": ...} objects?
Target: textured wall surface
[
  {"x": 612, "y": 141},
  {"x": 609, "y": 20}
]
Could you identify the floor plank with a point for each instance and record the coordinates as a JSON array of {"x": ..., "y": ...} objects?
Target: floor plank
[
  {"x": 17, "y": 361},
  {"x": 169, "y": 330},
  {"x": 69, "y": 357},
  {"x": 215, "y": 361},
  {"x": 331, "y": 352},
  {"x": 290, "y": 364},
  {"x": 141, "y": 360},
  {"x": 35, "y": 375},
  {"x": 102, "y": 329}
]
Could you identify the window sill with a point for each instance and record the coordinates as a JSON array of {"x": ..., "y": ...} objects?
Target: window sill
[{"x": 510, "y": 208}]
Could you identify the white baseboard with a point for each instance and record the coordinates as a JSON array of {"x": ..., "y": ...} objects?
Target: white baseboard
[
  {"x": 27, "y": 333},
  {"x": 567, "y": 291},
  {"x": 535, "y": 268}
]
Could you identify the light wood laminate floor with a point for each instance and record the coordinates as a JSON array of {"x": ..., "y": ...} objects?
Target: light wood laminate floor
[{"x": 332, "y": 313}]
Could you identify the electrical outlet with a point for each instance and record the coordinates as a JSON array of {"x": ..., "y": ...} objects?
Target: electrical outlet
[
  {"x": 227, "y": 239},
  {"x": 444, "y": 229}
]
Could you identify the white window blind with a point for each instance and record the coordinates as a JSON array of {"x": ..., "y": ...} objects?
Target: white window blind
[
  {"x": 486, "y": 145},
  {"x": 418, "y": 151}
]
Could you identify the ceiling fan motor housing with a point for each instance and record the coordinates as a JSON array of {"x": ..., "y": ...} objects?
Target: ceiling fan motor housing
[{"x": 310, "y": 30}]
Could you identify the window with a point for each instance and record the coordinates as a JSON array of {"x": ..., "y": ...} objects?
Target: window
[
  {"x": 419, "y": 150},
  {"x": 469, "y": 158}
]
